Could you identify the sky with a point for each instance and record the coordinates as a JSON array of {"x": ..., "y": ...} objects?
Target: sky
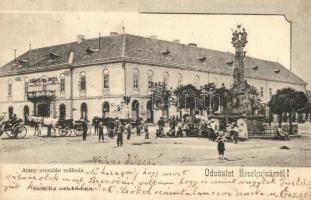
[{"x": 268, "y": 36}]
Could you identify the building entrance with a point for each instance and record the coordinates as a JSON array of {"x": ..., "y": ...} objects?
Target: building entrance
[{"x": 43, "y": 110}]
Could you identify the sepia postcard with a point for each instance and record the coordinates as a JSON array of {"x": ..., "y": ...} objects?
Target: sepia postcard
[{"x": 137, "y": 100}]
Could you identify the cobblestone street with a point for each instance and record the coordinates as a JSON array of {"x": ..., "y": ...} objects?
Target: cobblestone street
[{"x": 160, "y": 151}]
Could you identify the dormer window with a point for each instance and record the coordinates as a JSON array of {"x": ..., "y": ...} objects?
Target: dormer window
[
  {"x": 23, "y": 61},
  {"x": 53, "y": 56},
  {"x": 277, "y": 71},
  {"x": 203, "y": 58},
  {"x": 255, "y": 68},
  {"x": 230, "y": 62},
  {"x": 90, "y": 51},
  {"x": 165, "y": 52}
]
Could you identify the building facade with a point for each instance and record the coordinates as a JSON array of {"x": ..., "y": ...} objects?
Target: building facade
[{"x": 94, "y": 77}]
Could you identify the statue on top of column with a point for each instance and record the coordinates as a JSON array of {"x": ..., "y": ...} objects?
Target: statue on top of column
[{"x": 239, "y": 40}]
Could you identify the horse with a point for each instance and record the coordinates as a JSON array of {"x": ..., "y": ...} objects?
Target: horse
[{"x": 39, "y": 122}]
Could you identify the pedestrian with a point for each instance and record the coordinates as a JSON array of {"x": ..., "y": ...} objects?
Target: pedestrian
[
  {"x": 221, "y": 145},
  {"x": 128, "y": 129},
  {"x": 235, "y": 133},
  {"x": 116, "y": 123},
  {"x": 49, "y": 130},
  {"x": 110, "y": 127},
  {"x": 84, "y": 130},
  {"x": 96, "y": 125},
  {"x": 179, "y": 131},
  {"x": 119, "y": 131},
  {"x": 172, "y": 124},
  {"x": 146, "y": 131},
  {"x": 161, "y": 125},
  {"x": 138, "y": 127},
  {"x": 100, "y": 132}
]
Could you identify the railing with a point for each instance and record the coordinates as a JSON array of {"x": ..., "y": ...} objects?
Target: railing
[{"x": 43, "y": 94}]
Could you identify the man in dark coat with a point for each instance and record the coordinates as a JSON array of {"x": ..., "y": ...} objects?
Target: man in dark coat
[
  {"x": 110, "y": 128},
  {"x": 119, "y": 131},
  {"x": 84, "y": 129},
  {"x": 96, "y": 124},
  {"x": 101, "y": 132},
  {"x": 161, "y": 125}
]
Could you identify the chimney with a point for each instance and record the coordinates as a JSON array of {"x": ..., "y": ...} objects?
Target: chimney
[
  {"x": 176, "y": 41},
  {"x": 113, "y": 33},
  {"x": 192, "y": 44},
  {"x": 80, "y": 38}
]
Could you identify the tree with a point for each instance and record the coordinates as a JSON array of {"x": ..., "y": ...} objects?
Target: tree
[
  {"x": 219, "y": 97},
  {"x": 160, "y": 96},
  {"x": 187, "y": 97},
  {"x": 287, "y": 100}
]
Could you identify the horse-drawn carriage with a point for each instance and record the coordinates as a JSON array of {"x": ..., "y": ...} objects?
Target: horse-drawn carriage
[
  {"x": 14, "y": 129},
  {"x": 69, "y": 126}
]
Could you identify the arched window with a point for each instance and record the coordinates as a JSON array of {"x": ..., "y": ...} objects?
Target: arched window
[
  {"x": 197, "y": 81},
  {"x": 179, "y": 80},
  {"x": 135, "y": 78},
  {"x": 62, "y": 83},
  {"x": 26, "y": 86},
  {"x": 166, "y": 78},
  {"x": 150, "y": 78},
  {"x": 83, "y": 110},
  {"x": 9, "y": 88},
  {"x": 82, "y": 81},
  {"x": 62, "y": 111},
  {"x": 105, "y": 109},
  {"x": 44, "y": 82},
  {"x": 135, "y": 110},
  {"x": 106, "y": 78},
  {"x": 149, "y": 112}
]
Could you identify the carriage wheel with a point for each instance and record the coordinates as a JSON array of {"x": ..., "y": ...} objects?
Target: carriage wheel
[
  {"x": 20, "y": 131},
  {"x": 9, "y": 133},
  {"x": 62, "y": 132},
  {"x": 78, "y": 131}
]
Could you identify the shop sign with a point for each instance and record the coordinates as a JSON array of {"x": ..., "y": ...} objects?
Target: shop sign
[{"x": 39, "y": 81}]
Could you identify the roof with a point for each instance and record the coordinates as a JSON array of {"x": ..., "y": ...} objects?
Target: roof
[{"x": 137, "y": 49}]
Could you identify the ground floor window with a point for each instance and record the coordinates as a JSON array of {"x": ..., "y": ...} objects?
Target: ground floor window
[
  {"x": 44, "y": 110},
  {"x": 105, "y": 109},
  {"x": 83, "y": 110},
  {"x": 62, "y": 111},
  {"x": 26, "y": 113}
]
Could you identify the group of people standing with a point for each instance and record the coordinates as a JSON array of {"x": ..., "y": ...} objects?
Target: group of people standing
[{"x": 116, "y": 127}]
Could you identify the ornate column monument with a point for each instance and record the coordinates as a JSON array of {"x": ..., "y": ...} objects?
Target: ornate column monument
[{"x": 244, "y": 96}]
